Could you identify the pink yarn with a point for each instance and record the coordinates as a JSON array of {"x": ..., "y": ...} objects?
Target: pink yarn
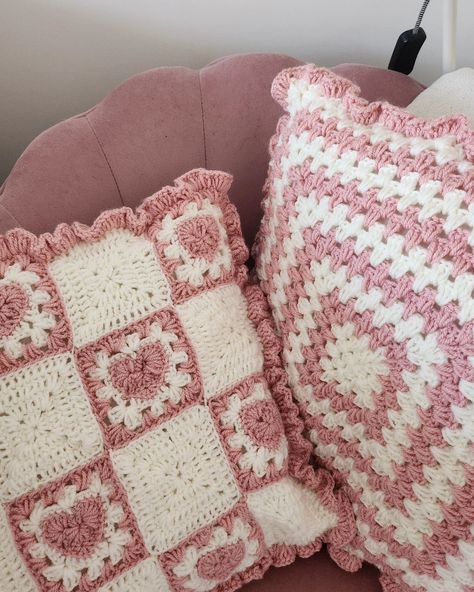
[
  {"x": 142, "y": 376},
  {"x": 221, "y": 563},
  {"x": 76, "y": 533},
  {"x": 262, "y": 422},
  {"x": 199, "y": 236},
  {"x": 13, "y": 305},
  {"x": 341, "y": 321}
]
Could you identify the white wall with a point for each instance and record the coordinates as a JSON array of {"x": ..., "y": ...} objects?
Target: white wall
[{"x": 59, "y": 57}]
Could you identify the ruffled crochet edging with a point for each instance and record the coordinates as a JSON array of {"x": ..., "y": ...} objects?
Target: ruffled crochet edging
[
  {"x": 318, "y": 480},
  {"x": 366, "y": 113},
  {"x": 198, "y": 183}
]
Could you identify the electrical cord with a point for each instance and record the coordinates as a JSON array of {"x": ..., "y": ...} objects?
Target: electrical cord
[{"x": 420, "y": 16}]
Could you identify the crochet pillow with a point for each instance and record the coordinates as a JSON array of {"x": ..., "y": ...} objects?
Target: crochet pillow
[
  {"x": 140, "y": 446},
  {"x": 366, "y": 256}
]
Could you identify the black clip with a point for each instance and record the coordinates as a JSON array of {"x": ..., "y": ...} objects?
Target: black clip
[{"x": 406, "y": 50}]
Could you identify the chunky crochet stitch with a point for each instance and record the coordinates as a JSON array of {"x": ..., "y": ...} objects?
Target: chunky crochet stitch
[
  {"x": 366, "y": 256},
  {"x": 148, "y": 440}
]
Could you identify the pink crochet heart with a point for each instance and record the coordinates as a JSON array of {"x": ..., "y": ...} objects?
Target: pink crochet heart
[
  {"x": 13, "y": 305},
  {"x": 140, "y": 377},
  {"x": 200, "y": 237},
  {"x": 221, "y": 563},
  {"x": 76, "y": 533},
  {"x": 262, "y": 422}
]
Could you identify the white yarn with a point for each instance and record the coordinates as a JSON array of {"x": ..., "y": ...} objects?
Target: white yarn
[
  {"x": 47, "y": 425},
  {"x": 226, "y": 343},
  {"x": 109, "y": 283},
  {"x": 177, "y": 477},
  {"x": 289, "y": 512}
]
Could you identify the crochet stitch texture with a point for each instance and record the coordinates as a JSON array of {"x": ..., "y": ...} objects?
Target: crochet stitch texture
[
  {"x": 148, "y": 440},
  {"x": 366, "y": 256}
]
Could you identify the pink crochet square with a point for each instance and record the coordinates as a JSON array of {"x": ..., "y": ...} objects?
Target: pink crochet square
[
  {"x": 140, "y": 376},
  {"x": 79, "y": 532},
  {"x": 366, "y": 256},
  {"x": 192, "y": 240},
  {"x": 32, "y": 320},
  {"x": 252, "y": 431},
  {"x": 223, "y": 555}
]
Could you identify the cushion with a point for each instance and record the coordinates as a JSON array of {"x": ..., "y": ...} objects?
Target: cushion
[
  {"x": 451, "y": 93},
  {"x": 140, "y": 445},
  {"x": 365, "y": 254}
]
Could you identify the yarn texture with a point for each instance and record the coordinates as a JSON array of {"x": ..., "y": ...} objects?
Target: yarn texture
[
  {"x": 148, "y": 438},
  {"x": 365, "y": 254}
]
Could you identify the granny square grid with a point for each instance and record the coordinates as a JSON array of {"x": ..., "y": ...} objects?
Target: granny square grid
[
  {"x": 366, "y": 255},
  {"x": 144, "y": 410}
]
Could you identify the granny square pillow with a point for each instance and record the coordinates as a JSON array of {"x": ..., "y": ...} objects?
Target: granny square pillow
[
  {"x": 366, "y": 256},
  {"x": 148, "y": 440}
]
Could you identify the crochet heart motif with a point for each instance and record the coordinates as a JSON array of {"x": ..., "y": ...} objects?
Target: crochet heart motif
[
  {"x": 13, "y": 305},
  {"x": 221, "y": 563},
  {"x": 200, "y": 237},
  {"x": 142, "y": 376},
  {"x": 76, "y": 533},
  {"x": 262, "y": 422}
]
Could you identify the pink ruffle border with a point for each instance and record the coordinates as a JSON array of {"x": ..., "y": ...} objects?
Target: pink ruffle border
[
  {"x": 318, "y": 480},
  {"x": 377, "y": 112}
]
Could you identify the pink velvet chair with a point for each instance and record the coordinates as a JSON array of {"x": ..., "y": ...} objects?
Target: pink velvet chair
[{"x": 148, "y": 131}]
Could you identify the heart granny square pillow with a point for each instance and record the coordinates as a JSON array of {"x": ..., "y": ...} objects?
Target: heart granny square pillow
[
  {"x": 366, "y": 256},
  {"x": 148, "y": 440}
]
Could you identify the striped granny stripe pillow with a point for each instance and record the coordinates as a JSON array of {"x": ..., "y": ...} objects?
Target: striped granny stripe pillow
[{"x": 366, "y": 256}]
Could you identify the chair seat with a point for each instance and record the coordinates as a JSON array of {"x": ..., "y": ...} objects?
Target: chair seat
[{"x": 316, "y": 574}]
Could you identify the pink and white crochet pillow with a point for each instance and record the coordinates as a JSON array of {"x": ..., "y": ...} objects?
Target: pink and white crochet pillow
[
  {"x": 148, "y": 440},
  {"x": 366, "y": 256}
]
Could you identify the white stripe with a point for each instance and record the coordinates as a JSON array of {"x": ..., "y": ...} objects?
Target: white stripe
[
  {"x": 303, "y": 95},
  {"x": 454, "y": 578}
]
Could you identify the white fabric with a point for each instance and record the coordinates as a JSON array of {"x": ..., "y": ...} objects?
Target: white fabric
[{"x": 453, "y": 93}]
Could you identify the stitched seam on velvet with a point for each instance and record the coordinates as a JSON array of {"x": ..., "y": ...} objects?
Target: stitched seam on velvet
[
  {"x": 106, "y": 159},
  {"x": 203, "y": 122},
  {"x": 9, "y": 214}
]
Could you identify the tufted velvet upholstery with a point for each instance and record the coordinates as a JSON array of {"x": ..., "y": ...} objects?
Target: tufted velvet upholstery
[
  {"x": 148, "y": 131},
  {"x": 154, "y": 127}
]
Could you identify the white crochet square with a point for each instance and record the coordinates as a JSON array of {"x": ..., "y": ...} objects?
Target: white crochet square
[
  {"x": 177, "y": 478},
  {"x": 226, "y": 343},
  {"x": 290, "y": 513},
  {"x": 109, "y": 283},
  {"x": 147, "y": 576},
  {"x": 14, "y": 575},
  {"x": 46, "y": 425}
]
